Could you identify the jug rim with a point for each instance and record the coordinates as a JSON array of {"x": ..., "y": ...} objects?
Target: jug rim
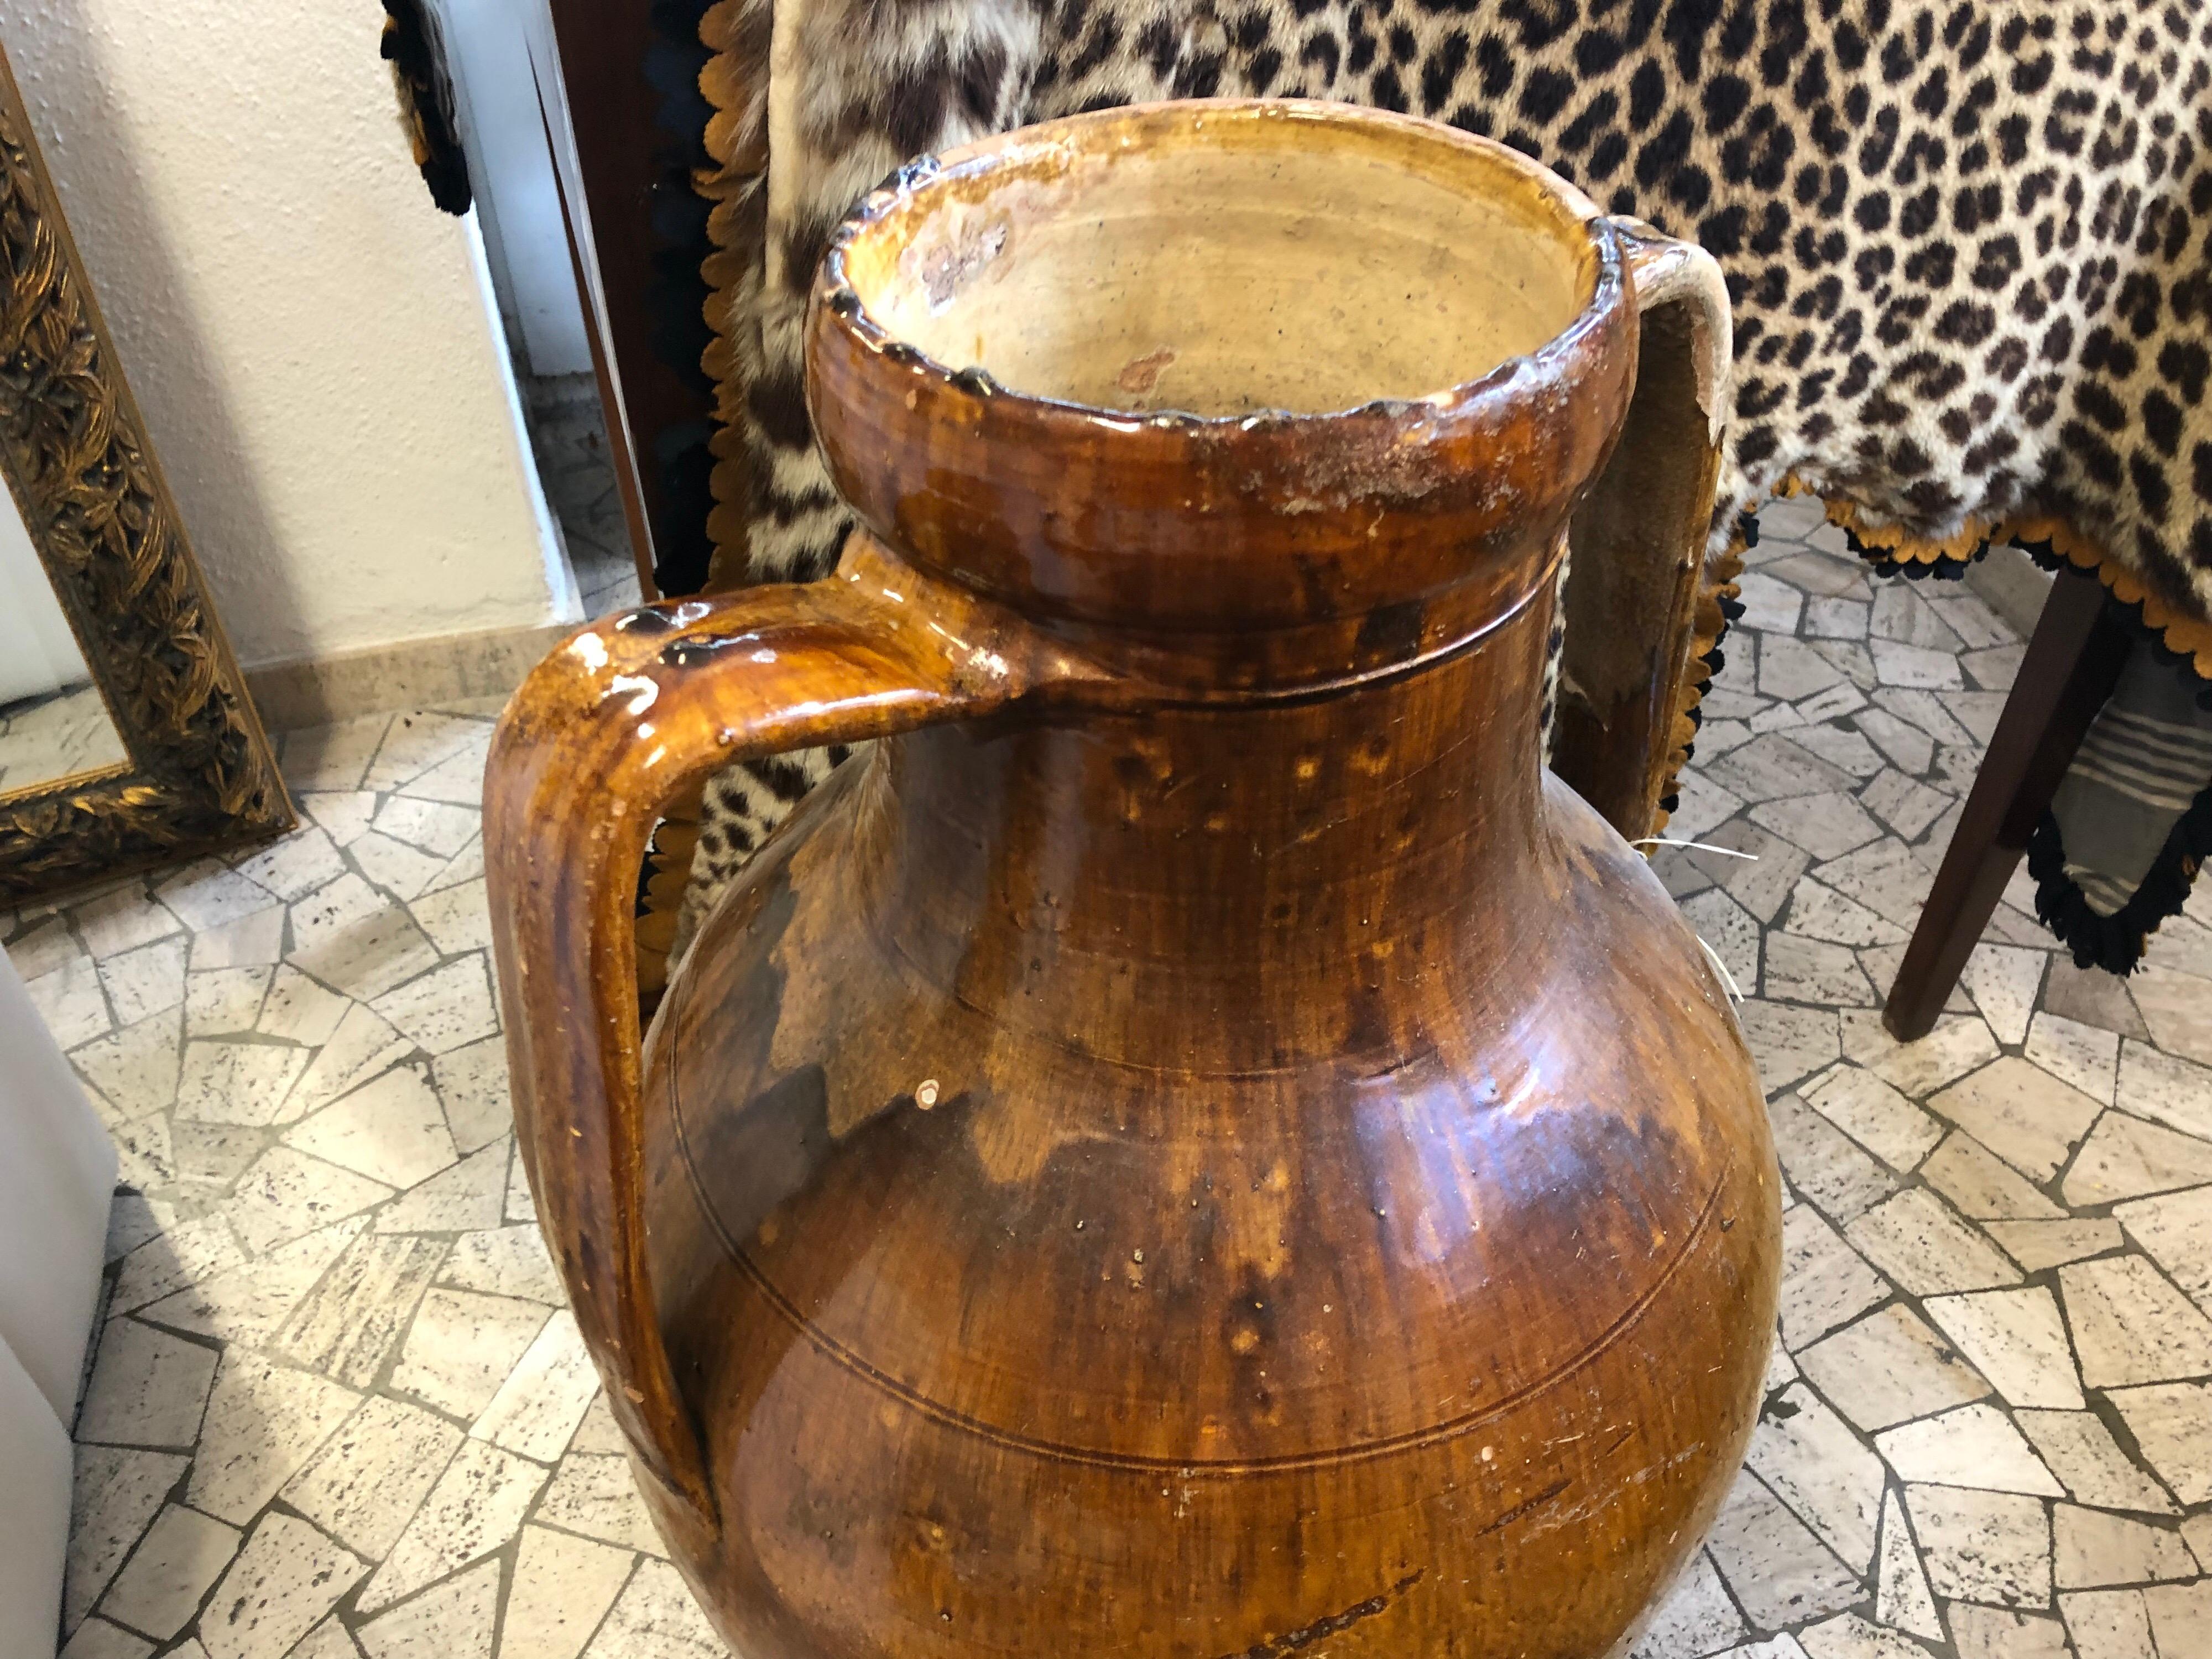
[
  {"x": 1441, "y": 509},
  {"x": 908, "y": 188}
]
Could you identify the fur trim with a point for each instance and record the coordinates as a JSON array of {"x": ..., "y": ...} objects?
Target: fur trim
[{"x": 415, "y": 46}]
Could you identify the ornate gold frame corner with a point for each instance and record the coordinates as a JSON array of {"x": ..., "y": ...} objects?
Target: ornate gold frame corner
[{"x": 200, "y": 775}]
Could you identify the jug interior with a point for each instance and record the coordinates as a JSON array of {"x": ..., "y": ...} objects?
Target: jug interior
[{"x": 1230, "y": 266}]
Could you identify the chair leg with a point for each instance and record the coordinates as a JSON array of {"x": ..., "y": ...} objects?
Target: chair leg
[{"x": 2072, "y": 664}]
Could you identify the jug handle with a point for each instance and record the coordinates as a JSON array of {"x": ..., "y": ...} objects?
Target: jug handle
[
  {"x": 1638, "y": 578},
  {"x": 618, "y": 721}
]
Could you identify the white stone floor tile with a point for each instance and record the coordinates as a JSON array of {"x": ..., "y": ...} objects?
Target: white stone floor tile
[
  {"x": 329, "y": 1640},
  {"x": 371, "y": 1476},
  {"x": 348, "y": 1325},
  {"x": 117, "y": 1493},
  {"x": 1848, "y": 1636},
  {"x": 391, "y": 1130},
  {"x": 2177, "y": 1008},
  {"x": 1922, "y": 1244},
  {"x": 2173, "y": 1424},
  {"x": 1999, "y": 1633},
  {"x": 96, "y": 1639},
  {"x": 2077, "y": 1447},
  {"x": 2174, "y": 1091},
  {"x": 1981, "y": 1187},
  {"x": 218, "y": 1001},
  {"x": 461, "y": 1347},
  {"x": 1809, "y": 1457},
  {"x": 538, "y": 1407},
  {"x": 285, "y": 1195},
  {"x": 1824, "y": 1163},
  {"x": 2003, "y": 980},
  {"x": 2175, "y": 1230},
  {"x": 477, "y": 1505},
  {"x": 1980, "y": 1546},
  {"x": 337, "y": 1338},
  {"x": 504, "y": 1262},
  {"x": 285, "y": 1580},
  {"x": 249, "y": 1304},
  {"x": 1973, "y": 1446},
  {"x": 188, "y": 1251},
  {"x": 470, "y": 1195},
  {"x": 159, "y": 1591},
  {"x": 1824, "y": 1282},
  {"x": 264, "y": 1421},
  {"x": 563, "y": 1587},
  {"x": 2181, "y": 1617},
  {"x": 1953, "y": 1049},
  {"x": 447, "y": 1008},
  {"x": 2083, "y": 1056},
  {"x": 2040, "y": 1244},
  {"x": 2017, "y": 1339},
  {"x": 456, "y": 1619},
  {"x": 2020, "y": 1112},
  {"x": 133, "y": 1071},
  {"x": 1889, "y": 1368},
  {"x": 473, "y": 1082},
  {"x": 148, "y": 1389},
  {"x": 2091, "y": 1549},
  {"x": 1781, "y": 1573},
  {"x": 248, "y": 941},
  {"x": 594, "y": 1494},
  {"x": 2126, "y": 1158},
  {"x": 655, "y": 1618},
  {"x": 1902, "y": 1598},
  {"x": 1875, "y": 1115},
  {"x": 2109, "y": 1624},
  {"x": 2130, "y": 1326}
]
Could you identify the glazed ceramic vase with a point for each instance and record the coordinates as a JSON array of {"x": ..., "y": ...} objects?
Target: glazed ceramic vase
[{"x": 1194, "y": 1146}]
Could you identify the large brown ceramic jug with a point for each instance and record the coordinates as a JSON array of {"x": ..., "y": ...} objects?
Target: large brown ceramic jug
[{"x": 1195, "y": 1147}]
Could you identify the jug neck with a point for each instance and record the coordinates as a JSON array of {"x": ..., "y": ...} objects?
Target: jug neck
[{"x": 1224, "y": 863}]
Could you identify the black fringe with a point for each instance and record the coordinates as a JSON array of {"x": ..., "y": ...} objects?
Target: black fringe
[
  {"x": 1885, "y": 561},
  {"x": 1714, "y": 659},
  {"x": 2050, "y": 558},
  {"x": 2116, "y": 943}
]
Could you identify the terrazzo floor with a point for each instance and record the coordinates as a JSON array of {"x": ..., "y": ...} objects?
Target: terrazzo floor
[{"x": 337, "y": 1409}]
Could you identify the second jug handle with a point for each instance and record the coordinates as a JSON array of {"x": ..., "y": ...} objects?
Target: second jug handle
[
  {"x": 615, "y": 723},
  {"x": 1639, "y": 576}
]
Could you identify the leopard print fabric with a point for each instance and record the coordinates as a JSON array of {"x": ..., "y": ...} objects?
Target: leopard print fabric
[{"x": 1969, "y": 246}]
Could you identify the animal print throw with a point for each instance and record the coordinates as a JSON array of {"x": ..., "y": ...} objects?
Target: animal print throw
[{"x": 1968, "y": 243}]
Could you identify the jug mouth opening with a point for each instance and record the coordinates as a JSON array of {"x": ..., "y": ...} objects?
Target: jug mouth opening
[
  {"x": 1219, "y": 262},
  {"x": 1417, "y": 351}
]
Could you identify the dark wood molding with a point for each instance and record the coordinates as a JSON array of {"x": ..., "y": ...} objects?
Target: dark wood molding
[{"x": 631, "y": 168}]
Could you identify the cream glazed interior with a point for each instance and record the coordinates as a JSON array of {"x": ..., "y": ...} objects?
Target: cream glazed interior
[{"x": 1238, "y": 260}]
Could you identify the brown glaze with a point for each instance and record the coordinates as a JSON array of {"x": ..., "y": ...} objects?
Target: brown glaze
[{"x": 1215, "y": 1153}]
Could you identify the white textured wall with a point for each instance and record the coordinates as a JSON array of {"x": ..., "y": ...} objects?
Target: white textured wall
[{"x": 309, "y": 337}]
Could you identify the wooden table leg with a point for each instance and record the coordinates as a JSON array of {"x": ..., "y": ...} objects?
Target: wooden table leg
[{"x": 2072, "y": 664}]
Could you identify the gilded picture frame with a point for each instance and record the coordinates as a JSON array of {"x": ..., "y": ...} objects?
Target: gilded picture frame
[{"x": 200, "y": 775}]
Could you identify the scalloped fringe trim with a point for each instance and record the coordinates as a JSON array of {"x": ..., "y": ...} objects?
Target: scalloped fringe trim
[
  {"x": 1896, "y": 551},
  {"x": 1718, "y": 605},
  {"x": 2116, "y": 942}
]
